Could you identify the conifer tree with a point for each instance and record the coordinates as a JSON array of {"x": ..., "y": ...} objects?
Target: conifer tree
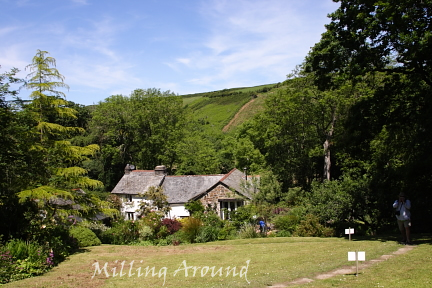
[{"x": 58, "y": 190}]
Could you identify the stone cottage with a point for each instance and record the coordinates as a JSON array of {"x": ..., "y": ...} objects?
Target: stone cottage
[{"x": 221, "y": 191}]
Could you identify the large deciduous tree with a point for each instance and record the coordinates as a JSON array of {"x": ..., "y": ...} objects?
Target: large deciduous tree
[
  {"x": 143, "y": 128},
  {"x": 15, "y": 145},
  {"x": 366, "y": 36},
  {"x": 392, "y": 39}
]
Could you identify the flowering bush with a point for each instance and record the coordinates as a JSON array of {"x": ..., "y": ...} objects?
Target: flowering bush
[
  {"x": 152, "y": 220},
  {"x": 7, "y": 265},
  {"x": 21, "y": 259}
]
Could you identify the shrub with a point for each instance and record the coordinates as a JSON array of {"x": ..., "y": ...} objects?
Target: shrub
[
  {"x": 310, "y": 227},
  {"x": 7, "y": 265},
  {"x": 145, "y": 233},
  {"x": 228, "y": 231},
  {"x": 283, "y": 233},
  {"x": 208, "y": 234},
  {"x": 248, "y": 231},
  {"x": 97, "y": 227},
  {"x": 123, "y": 232},
  {"x": 18, "y": 249},
  {"x": 287, "y": 222},
  {"x": 175, "y": 239},
  {"x": 153, "y": 220},
  {"x": 191, "y": 229},
  {"x": 194, "y": 207},
  {"x": 162, "y": 233},
  {"x": 84, "y": 236},
  {"x": 21, "y": 259},
  {"x": 209, "y": 218},
  {"x": 243, "y": 215},
  {"x": 172, "y": 225}
]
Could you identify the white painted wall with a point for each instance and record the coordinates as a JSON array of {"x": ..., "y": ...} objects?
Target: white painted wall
[
  {"x": 178, "y": 211},
  {"x": 130, "y": 206}
]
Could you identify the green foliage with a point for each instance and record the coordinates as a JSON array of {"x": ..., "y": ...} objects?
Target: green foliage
[
  {"x": 143, "y": 129},
  {"x": 191, "y": 228},
  {"x": 210, "y": 218},
  {"x": 84, "y": 236},
  {"x": 123, "y": 232},
  {"x": 387, "y": 133},
  {"x": 311, "y": 227},
  {"x": 96, "y": 227},
  {"x": 247, "y": 231},
  {"x": 22, "y": 259},
  {"x": 283, "y": 233},
  {"x": 270, "y": 189},
  {"x": 55, "y": 189},
  {"x": 208, "y": 233},
  {"x": 243, "y": 215},
  {"x": 367, "y": 36},
  {"x": 7, "y": 265},
  {"x": 145, "y": 233},
  {"x": 194, "y": 207},
  {"x": 227, "y": 232},
  {"x": 213, "y": 113},
  {"x": 197, "y": 154},
  {"x": 287, "y": 222},
  {"x": 152, "y": 220},
  {"x": 157, "y": 202}
]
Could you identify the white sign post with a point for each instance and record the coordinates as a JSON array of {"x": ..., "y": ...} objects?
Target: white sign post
[
  {"x": 356, "y": 256},
  {"x": 349, "y": 231}
]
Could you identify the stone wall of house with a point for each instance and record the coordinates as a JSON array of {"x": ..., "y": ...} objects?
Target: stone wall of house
[{"x": 219, "y": 192}]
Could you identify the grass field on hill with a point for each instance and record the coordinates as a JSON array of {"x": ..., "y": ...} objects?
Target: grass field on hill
[
  {"x": 258, "y": 263},
  {"x": 215, "y": 109}
]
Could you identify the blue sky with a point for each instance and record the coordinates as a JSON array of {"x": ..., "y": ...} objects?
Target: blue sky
[{"x": 107, "y": 47}]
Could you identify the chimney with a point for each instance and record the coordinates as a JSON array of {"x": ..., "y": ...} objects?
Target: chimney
[
  {"x": 245, "y": 172},
  {"x": 129, "y": 168},
  {"x": 160, "y": 170}
]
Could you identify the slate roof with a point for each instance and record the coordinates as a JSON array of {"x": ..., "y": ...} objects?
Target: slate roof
[
  {"x": 138, "y": 181},
  {"x": 179, "y": 189},
  {"x": 236, "y": 179}
]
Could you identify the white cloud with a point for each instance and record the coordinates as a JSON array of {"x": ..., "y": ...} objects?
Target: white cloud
[
  {"x": 185, "y": 61},
  {"x": 266, "y": 37}
]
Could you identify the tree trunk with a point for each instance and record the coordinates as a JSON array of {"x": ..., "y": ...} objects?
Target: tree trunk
[{"x": 327, "y": 144}]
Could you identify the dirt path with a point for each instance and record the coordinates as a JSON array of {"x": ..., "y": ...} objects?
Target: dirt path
[
  {"x": 343, "y": 270},
  {"x": 236, "y": 116}
]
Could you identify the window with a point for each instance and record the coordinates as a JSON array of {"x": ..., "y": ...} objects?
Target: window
[
  {"x": 130, "y": 215},
  {"x": 128, "y": 198},
  {"x": 228, "y": 205}
]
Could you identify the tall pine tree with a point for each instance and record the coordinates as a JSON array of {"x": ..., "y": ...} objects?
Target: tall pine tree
[{"x": 58, "y": 191}]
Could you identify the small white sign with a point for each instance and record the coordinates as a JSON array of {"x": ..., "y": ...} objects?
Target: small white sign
[
  {"x": 361, "y": 256},
  {"x": 349, "y": 231}
]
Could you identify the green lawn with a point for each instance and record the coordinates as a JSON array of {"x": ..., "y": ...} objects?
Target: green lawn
[{"x": 258, "y": 263}]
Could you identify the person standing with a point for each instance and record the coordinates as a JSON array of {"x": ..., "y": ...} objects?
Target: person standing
[{"x": 403, "y": 216}]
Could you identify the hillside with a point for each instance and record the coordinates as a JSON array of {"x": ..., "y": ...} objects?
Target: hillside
[{"x": 227, "y": 109}]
